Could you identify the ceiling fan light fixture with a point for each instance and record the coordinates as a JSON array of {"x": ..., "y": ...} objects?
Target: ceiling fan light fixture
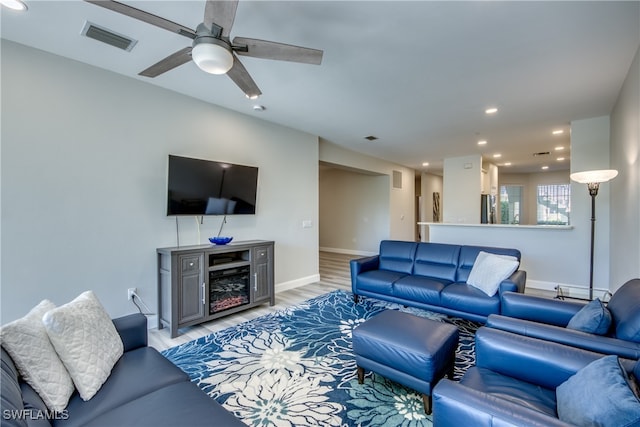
[
  {"x": 14, "y": 4},
  {"x": 212, "y": 57}
]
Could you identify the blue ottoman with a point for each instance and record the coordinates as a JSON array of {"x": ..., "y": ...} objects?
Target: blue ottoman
[{"x": 411, "y": 350}]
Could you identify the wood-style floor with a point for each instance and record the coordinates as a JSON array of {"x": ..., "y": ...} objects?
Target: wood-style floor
[{"x": 334, "y": 274}]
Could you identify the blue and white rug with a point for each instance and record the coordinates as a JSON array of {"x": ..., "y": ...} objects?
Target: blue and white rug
[{"x": 295, "y": 367}]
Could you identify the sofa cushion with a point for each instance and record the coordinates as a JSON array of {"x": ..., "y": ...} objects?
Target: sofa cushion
[
  {"x": 11, "y": 395},
  {"x": 593, "y": 318},
  {"x": 489, "y": 270},
  {"x": 625, "y": 311},
  {"x": 37, "y": 415},
  {"x": 437, "y": 260},
  {"x": 419, "y": 289},
  {"x": 138, "y": 372},
  {"x": 379, "y": 281},
  {"x": 468, "y": 255},
  {"x": 180, "y": 404},
  {"x": 397, "y": 256},
  {"x": 86, "y": 340},
  {"x": 507, "y": 388},
  {"x": 598, "y": 394},
  {"x": 28, "y": 344},
  {"x": 465, "y": 298}
]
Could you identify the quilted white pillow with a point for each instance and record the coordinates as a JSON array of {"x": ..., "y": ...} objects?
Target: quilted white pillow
[
  {"x": 489, "y": 270},
  {"x": 86, "y": 340},
  {"x": 28, "y": 344}
]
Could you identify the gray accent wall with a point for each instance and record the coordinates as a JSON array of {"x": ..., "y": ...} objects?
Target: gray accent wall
[{"x": 84, "y": 157}]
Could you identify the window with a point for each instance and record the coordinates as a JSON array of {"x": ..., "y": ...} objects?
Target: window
[
  {"x": 554, "y": 204},
  {"x": 510, "y": 204}
]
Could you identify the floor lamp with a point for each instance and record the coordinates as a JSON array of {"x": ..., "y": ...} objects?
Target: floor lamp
[{"x": 593, "y": 180}]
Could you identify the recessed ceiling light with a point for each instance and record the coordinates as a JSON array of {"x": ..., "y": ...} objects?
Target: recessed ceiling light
[
  {"x": 559, "y": 148},
  {"x": 560, "y": 159},
  {"x": 14, "y": 4},
  {"x": 258, "y": 107},
  {"x": 491, "y": 110},
  {"x": 252, "y": 96},
  {"x": 558, "y": 132},
  {"x": 425, "y": 164},
  {"x": 544, "y": 168},
  {"x": 482, "y": 142},
  {"x": 497, "y": 156},
  {"x": 507, "y": 164}
]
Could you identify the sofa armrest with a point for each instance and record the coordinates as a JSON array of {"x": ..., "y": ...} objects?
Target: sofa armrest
[
  {"x": 361, "y": 265},
  {"x": 558, "y": 334},
  {"x": 455, "y": 405},
  {"x": 533, "y": 360},
  {"x": 133, "y": 330},
  {"x": 538, "y": 309},
  {"x": 515, "y": 283}
]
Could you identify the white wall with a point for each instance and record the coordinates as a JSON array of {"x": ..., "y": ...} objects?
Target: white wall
[
  {"x": 462, "y": 185},
  {"x": 354, "y": 211},
  {"x": 402, "y": 219},
  {"x": 84, "y": 155},
  {"x": 625, "y": 188},
  {"x": 589, "y": 151}
]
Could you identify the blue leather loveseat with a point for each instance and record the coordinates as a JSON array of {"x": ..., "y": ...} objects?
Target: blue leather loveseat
[
  {"x": 432, "y": 276},
  {"x": 144, "y": 389},
  {"x": 515, "y": 383},
  {"x": 548, "y": 319}
]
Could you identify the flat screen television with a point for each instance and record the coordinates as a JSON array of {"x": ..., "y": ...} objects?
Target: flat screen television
[{"x": 206, "y": 187}]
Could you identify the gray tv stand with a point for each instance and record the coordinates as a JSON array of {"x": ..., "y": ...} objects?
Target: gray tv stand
[{"x": 200, "y": 283}]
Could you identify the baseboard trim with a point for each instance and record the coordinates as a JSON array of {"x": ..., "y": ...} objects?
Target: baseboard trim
[
  {"x": 347, "y": 251},
  {"x": 292, "y": 284}
]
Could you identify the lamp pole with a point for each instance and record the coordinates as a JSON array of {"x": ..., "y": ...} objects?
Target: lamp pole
[
  {"x": 593, "y": 180},
  {"x": 593, "y": 192}
]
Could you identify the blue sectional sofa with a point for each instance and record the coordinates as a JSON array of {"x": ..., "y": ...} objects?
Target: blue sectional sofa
[
  {"x": 144, "y": 389},
  {"x": 547, "y": 319},
  {"x": 515, "y": 383},
  {"x": 432, "y": 276}
]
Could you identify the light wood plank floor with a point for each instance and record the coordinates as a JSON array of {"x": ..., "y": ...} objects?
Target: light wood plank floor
[{"x": 334, "y": 274}]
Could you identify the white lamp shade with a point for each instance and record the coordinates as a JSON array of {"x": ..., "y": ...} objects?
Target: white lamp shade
[
  {"x": 588, "y": 177},
  {"x": 212, "y": 58}
]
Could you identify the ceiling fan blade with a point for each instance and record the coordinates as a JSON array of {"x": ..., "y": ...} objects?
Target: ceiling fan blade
[
  {"x": 241, "y": 77},
  {"x": 279, "y": 51},
  {"x": 144, "y": 17},
  {"x": 169, "y": 63},
  {"x": 222, "y": 13}
]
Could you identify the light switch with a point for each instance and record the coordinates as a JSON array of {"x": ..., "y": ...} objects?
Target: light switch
[{"x": 307, "y": 223}]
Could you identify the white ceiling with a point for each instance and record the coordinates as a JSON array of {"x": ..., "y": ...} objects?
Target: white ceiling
[{"x": 417, "y": 74}]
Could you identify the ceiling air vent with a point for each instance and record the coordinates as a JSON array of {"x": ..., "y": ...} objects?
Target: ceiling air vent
[
  {"x": 109, "y": 37},
  {"x": 541, "y": 153},
  {"x": 370, "y": 138}
]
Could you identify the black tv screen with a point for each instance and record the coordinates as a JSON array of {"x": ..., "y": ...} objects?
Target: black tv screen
[{"x": 205, "y": 187}]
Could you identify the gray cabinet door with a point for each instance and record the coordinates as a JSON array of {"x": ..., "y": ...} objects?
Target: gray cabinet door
[
  {"x": 191, "y": 295},
  {"x": 263, "y": 273}
]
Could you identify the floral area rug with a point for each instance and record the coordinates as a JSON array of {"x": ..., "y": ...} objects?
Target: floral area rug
[{"x": 295, "y": 367}]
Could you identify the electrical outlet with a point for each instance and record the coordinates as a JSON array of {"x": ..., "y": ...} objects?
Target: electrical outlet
[{"x": 130, "y": 293}]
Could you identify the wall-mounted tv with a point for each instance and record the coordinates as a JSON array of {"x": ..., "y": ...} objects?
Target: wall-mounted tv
[{"x": 205, "y": 187}]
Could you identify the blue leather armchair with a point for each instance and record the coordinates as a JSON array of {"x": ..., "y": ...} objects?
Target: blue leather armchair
[
  {"x": 547, "y": 319},
  {"x": 513, "y": 383}
]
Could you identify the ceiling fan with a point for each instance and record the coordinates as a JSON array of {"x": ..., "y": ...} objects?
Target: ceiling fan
[{"x": 212, "y": 50}]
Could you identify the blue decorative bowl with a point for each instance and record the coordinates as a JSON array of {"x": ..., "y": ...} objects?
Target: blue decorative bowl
[{"x": 220, "y": 240}]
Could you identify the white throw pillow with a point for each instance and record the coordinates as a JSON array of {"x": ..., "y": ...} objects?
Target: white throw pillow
[
  {"x": 489, "y": 270},
  {"x": 28, "y": 344},
  {"x": 86, "y": 340}
]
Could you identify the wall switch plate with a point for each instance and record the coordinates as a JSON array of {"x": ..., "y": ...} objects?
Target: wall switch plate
[{"x": 307, "y": 223}]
